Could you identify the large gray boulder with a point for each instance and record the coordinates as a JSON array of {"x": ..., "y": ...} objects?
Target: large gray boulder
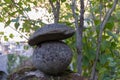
[
  {"x": 50, "y": 32},
  {"x": 52, "y": 57}
]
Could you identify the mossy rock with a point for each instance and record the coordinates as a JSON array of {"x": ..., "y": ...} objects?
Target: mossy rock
[
  {"x": 19, "y": 71},
  {"x": 26, "y": 71},
  {"x": 37, "y": 76}
]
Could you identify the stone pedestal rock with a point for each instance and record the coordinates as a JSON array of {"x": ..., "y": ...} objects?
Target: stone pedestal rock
[{"x": 52, "y": 57}]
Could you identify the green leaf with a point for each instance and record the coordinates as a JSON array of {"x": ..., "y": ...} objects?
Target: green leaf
[
  {"x": 26, "y": 26},
  {"x": 113, "y": 44},
  {"x": 53, "y": 0},
  {"x": 7, "y": 23},
  {"x": 36, "y": 27},
  {"x": 11, "y": 35},
  {"x": 85, "y": 61},
  {"x": 17, "y": 43},
  {"x": 105, "y": 37},
  {"x": 20, "y": 11},
  {"x": 5, "y": 38},
  {"x": 97, "y": 22},
  {"x": 15, "y": 20},
  {"x": 113, "y": 35},
  {"x": 102, "y": 70},
  {"x": 105, "y": 45},
  {"x": 68, "y": 16},
  {"x": 103, "y": 58},
  {"x": 1, "y": 19},
  {"x": 110, "y": 59},
  {"x": 26, "y": 47},
  {"x": 17, "y": 25},
  {"x": 117, "y": 16},
  {"x": 1, "y": 33},
  {"x": 98, "y": 66},
  {"x": 8, "y": 1},
  {"x": 63, "y": 0},
  {"x": 109, "y": 25},
  {"x": 91, "y": 54},
  {"x": 27, "y": 9},
  {"x": 35, "y": 3},
  {"x": 112, "y": 64}
]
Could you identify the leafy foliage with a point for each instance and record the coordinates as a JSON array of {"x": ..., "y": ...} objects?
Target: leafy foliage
[
  {"x": 108, "y": 66},
  {"x": 15, "y": 60}
]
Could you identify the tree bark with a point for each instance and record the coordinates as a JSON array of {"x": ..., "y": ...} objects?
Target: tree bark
[
  {"x": 79, "y": 32},
  {"x": 55, "y": 10}
]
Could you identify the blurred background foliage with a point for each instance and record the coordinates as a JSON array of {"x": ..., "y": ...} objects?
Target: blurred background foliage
[
  {"x": 14, "y": 61},
  {"x": 108, "y": 66}
]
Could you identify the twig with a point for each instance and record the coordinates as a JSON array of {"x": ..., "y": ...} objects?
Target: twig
[
  {"x": 56, "y": 10},
  {"x": 100, "y": 8},
  {"x": 18, "y": 32},
  {"x": 108, "y": 14},
  {"x": 73, "y": 7},
  {"x": 24, "y": 12},
  {"x": 93, "y": 17},
  {"x": 14, "y": 28}
]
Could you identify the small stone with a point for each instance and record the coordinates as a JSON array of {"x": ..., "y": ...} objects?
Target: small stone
[
  {"x": 50, "y": 32},
  {"x": 52, "y": 57}
]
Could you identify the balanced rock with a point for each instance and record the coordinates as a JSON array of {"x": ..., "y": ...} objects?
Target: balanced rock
[
  {"x": 51, "y": 32},
  {"x": 52, "y": 57}
]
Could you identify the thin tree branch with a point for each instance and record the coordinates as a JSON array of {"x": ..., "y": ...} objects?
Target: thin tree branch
[
  {"x": 24, "y": 12},
  {"x": 108, "y": 14},
  {"x": 55, "y": 10},
  {"x": 73, "y": 7},
  {"x": 18, "y": 32},
  {"x": 92, "y": 14},
  {"x": 53, "y": 7},
  {"x": 100, "y": 8},
  {"x": 79, "y": 31},
  {"x": 51, "y": 3},
  {"x": 93, "y": 17}
]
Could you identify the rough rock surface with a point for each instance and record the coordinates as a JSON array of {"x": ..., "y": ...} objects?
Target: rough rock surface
[
  {"x": 3, "y": 75},
  {"x": 3, "y": 67},
  {"x": 52, "y": 57},
  {"x": 38, "y": 75},
  {"x": 50, "y": 32},
  {"x": 3, "y": 63},
  {"x": 26, "y": 71}
]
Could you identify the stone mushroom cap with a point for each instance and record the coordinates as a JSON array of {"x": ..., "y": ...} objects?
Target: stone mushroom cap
[{"x": 50, "y": 32}]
